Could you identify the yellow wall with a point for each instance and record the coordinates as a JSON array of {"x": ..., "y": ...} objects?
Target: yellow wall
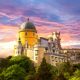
[{"x": 30, "y": 36}]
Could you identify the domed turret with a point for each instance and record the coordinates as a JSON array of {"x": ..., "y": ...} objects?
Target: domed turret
[
  {"x": 28, "y": 33},
  {"x": 28, "y": 26}
]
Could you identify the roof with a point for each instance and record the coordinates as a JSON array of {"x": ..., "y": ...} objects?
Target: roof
[{"x": 28, "y": 26}]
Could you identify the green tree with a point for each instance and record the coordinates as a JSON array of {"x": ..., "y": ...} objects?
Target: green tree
[
  {"x": 31, "y": 77},
  {"x": 23, "y": 62},
  {"x": 3, "y": 64},
  {"x": 67, "y": 75},
  {"x": 65, "y": 70},
  {"x": 53, "y": 70},
  {"x": 14, "y": 72},
  {"x": 9, "y": 57},
  {"x": 65, "y": 67},
  {"x": 44, "y": 72},
  {"x": 76, "y": 66},
  {"x": 60, "y": 77},
  {"x": 76, "y": 75}
]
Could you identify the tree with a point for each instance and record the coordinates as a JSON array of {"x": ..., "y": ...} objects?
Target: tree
[
  {"x": 9, "y": 57},
  {"x": 3, "y": 61},
  {"x": 76, "y": 75},
  {"x": 53, "y": 70},
  {"x": 60, "y": 77},
  {"x": 31, "y": 77},
  {"x": 65, "y": 70},
  {"x": 14, "y": 72},
  {"x": 23, "y": 62},
  {"x": 65, "y": 67},
  {"x": 76, "y": 66},
  {"x": 44, "y": 71}
]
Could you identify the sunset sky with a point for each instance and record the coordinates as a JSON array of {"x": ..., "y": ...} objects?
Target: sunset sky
[{"x": 47, "y": 15}]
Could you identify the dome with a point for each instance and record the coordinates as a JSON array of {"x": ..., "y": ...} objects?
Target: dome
[{"x": 28, "y": 25}]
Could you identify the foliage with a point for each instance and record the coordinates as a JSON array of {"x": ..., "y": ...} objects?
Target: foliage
[
  {"x": 9, "y": 57},
  {"x": 67, "y": 75},
  {"x": 65, "y": 67},
  {"x": 30, "y": 77},
  {"x": 53, "y": 71},
  {"x": 3, "y": 64},
  {"x": 76, "y": 75},
  {"x": 14, "y": 72},
  {"x": 76, "y": 66},
  {"x": 44, "y": 71},
  {"x": 75, "y": 78},
  {"x": 23, "y": 62},
  {"x": 22, "y": 68},
  {"x": 60, "y": 77},
  {"x": 14, "y": 67}
]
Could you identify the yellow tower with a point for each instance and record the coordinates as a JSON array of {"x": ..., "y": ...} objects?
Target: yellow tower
[{"x": 28, "y": 34}]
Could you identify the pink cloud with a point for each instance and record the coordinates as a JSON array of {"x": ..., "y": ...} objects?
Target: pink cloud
[{"x": 8, "y": 33}]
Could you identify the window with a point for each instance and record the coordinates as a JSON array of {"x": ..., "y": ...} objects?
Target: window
[
  {"x": 55, "y": 57},
  {"x": 56, "y": 61},
  {"x": 36, "y": 54},
  {"x": 26, "y": 33},
  {"x": 53, "y": 50},
  {"x": 52, "y": 56},
  {"x": 36, "y": 58}
]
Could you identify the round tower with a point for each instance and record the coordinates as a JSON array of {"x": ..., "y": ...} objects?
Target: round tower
[{"x": 28, "y": 33}]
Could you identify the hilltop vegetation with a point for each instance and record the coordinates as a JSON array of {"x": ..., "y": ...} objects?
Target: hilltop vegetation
[{"x": 22, "y": 68}]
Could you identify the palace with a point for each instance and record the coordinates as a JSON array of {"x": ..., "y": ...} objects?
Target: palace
[{"x": 31, "y": 45}]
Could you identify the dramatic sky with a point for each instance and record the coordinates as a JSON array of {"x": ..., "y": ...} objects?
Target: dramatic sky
[{"x": 47, "y": 15}]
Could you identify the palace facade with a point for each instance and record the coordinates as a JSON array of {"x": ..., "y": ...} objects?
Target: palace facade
[{"x": 31, "y": 45}]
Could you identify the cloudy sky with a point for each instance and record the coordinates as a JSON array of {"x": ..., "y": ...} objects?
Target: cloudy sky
[{"x": 47, "y": 15}]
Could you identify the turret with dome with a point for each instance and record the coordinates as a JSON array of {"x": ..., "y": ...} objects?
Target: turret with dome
[{"x": 28, "y": 33}]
